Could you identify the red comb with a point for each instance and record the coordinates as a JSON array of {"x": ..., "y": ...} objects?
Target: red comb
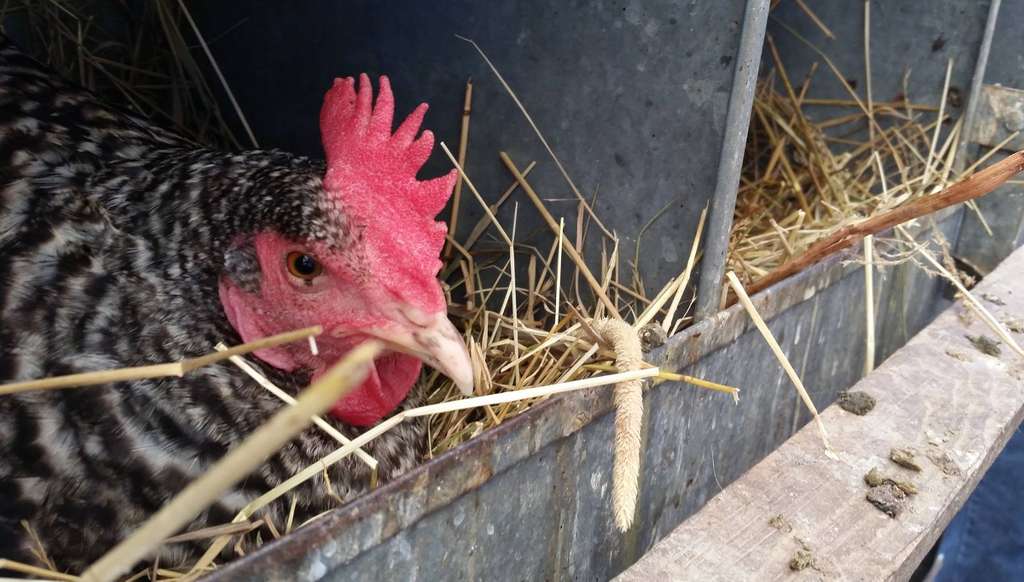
[
  {"x": 371, "y": 173},
  {"x": 359, "y": 145}
]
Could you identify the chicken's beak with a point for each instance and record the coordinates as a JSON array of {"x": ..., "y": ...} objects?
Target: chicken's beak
[{"x": 434, "y": 340}]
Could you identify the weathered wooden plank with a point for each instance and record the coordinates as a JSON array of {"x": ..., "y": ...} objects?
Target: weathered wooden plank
[{"x": 939, "y": 395}]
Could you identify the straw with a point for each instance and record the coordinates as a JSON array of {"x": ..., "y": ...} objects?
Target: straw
[
  {"x": 174, "y": 369},
  {"x": 766, "y": 333},
  {"x": 869, "y": 304}
]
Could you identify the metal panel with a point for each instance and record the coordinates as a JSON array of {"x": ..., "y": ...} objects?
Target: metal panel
[{"x": 911, "y": 37}]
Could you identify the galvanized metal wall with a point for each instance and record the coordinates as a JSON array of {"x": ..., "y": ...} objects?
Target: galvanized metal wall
[{"x": 907, "y": 37}]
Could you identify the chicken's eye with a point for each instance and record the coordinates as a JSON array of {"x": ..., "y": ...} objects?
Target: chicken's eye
[{"x": 304, "y": 266}]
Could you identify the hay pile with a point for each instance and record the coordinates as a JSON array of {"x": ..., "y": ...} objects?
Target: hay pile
[
  {"x": 533, "y": 330},
  {"x": 813, "y": 166}
]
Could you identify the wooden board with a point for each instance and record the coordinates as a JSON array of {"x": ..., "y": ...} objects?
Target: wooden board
[{"x": 939, "y": 395}]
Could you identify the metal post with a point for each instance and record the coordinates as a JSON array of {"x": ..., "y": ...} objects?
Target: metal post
[
  {"x": 976, "y": 82},
  {"x": 737, "y": 122}
]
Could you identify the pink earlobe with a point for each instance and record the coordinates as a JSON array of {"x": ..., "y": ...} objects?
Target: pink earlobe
[{"x": 235, "y": 303}]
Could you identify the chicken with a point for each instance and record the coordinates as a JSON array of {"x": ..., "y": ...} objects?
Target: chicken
[{"x": 122, "y": 244}]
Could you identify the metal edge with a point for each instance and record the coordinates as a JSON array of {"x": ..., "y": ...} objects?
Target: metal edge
[
  {"x": 977, "y": 80},
  {"x": 730, "y": 161}
]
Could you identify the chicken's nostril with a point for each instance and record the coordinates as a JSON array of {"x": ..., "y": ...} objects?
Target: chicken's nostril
[{"x": 415, "y": 316}]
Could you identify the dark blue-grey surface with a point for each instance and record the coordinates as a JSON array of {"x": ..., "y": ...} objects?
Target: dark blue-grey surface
[
  {"x": 985, "y": 541},
  {"x": 907, "y": 36}
]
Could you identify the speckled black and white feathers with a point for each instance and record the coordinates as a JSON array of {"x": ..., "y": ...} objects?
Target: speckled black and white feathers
[{"x": 113, "y": 234}]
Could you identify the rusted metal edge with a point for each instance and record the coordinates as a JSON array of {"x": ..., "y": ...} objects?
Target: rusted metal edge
[{"x": 384, "y": 512}]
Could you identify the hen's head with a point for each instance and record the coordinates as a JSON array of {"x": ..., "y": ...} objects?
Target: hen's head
[{"x": 367, "y": 268}]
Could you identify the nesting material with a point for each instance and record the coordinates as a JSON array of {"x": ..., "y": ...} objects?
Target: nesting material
[
  {"x": 813, "y": 166},
  {"x": 170, "y": 369},
  {"x": 629, "y": 410},
  {"x": 820, "y": 174}
]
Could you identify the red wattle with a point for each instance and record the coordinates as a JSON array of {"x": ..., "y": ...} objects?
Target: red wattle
[{"x": 385, "y": 387}]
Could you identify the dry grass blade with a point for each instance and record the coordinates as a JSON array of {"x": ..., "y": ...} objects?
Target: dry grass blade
[
  {"x": 529, "y": 393},
  {"x": 574, "y": 254},
  {"x": 666, "y": 323},
  {"x": 781, "y": 356},
  {"x": 228, "y": 529},
  {"x": 667, "y": 376},
  {"x": 867, "y": 68},
  {"x": 173, "y": 369},
  {"x": 536, "y": 130},
  {"x": 467, "y": 108},
  {"x": 558, "y": 274},
  {"x": 31, "y": 570},
  {"x": 869, "y": 304},
  {"x": 287, "y": 398},
  {"x": 675, "y": 377},
  {"x": 37, "y": 548},
  {"x": 479, "y": 198},
  {"x": 814, "y": 18}
]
